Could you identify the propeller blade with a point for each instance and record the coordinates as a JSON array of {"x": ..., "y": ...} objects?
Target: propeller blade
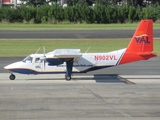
[
  {"x": 44, "y": 60},
  {"x": 44, "y": 64},
  {"x": 44, "y": 50},
  {"x": 37, "y": 50}
]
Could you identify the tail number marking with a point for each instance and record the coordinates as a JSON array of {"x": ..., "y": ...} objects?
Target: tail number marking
[{"x": 105, "y": 57}]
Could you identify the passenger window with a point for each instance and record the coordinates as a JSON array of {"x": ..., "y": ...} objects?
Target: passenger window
[{"x": 38, "y": 60}]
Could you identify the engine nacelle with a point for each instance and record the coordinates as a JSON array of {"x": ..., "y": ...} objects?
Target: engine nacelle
[{"x": 54, "y": 61}]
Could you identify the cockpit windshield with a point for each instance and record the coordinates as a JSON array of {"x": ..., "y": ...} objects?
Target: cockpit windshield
[{"x": 28, "y": 59}]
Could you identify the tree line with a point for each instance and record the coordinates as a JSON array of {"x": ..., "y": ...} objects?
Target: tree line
[{"x": 78, "y": 13}]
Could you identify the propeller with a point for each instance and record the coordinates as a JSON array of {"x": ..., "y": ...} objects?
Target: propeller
[
  {"x": 37, "y": 50},
  {"x": 43, "y": 58},
  {"x": 44, "y": 51}
]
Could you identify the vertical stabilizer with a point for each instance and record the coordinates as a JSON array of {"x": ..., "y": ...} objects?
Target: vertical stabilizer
[{"x": 141, "y": 44}]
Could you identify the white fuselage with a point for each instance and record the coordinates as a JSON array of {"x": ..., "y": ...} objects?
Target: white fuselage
[{"x": 87, "y": 62}]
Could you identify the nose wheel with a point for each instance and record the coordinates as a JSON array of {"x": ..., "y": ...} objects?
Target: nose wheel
[{"x": 12, "y": 77}]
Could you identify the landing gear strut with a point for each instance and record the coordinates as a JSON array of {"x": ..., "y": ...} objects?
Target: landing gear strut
[
  {"x": 12, "y": 77},
  {"x": 68, "y": 77},
  {"x": 69, "y": 66}
]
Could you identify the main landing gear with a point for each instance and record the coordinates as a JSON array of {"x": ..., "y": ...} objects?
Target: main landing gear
[
  {"x": 69, "y": 67},
  {"x": 12, "y": 77},
  {"x": 68, "y": 77}
]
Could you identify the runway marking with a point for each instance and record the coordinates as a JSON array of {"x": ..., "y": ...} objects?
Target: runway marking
[
  {"x": 125, "y": 80},
  {"x": 137, "y": 79}
]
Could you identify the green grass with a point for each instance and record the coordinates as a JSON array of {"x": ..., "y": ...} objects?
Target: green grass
[
  {"x": 19, "y": 26},
  {"x": 9, "y": 48}
]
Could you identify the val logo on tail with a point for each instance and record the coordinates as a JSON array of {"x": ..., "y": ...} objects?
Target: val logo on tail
[{"x": 69, "y": 61}]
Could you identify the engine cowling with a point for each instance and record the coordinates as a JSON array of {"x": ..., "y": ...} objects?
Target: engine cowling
[{"x": 54, "y": 61}]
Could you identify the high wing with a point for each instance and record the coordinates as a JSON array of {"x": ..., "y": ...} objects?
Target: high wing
[
  {"x": 60, "y": 56},
  {"x": 65, "y": 53}
]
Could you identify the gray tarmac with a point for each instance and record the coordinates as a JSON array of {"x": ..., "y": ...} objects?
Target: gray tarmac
[
  {"x": 48, "y": 97},
  {"x": 96, "y": 96},
  {"x": 68, "y": 34}
]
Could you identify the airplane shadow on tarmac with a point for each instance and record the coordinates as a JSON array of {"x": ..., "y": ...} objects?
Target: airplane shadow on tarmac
[{"x": 98, "y": 78}]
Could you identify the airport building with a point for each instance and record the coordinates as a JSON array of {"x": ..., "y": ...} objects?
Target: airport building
[
  {"x": 19, "y": 2},
  {"x": 10, "y": 2}
]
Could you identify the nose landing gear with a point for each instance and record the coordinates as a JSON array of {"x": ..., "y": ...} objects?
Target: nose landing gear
[{"x": 12, "y": 77}]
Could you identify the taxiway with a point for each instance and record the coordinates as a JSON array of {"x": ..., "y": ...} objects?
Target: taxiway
[
  {"x": 85, "y": 97},
  {"x": 68, "y": 34}
]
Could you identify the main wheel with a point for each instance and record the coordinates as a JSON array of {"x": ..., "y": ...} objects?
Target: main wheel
[
  {"x": 12, "y": 77},
  {"x": 68, "y": 77}
]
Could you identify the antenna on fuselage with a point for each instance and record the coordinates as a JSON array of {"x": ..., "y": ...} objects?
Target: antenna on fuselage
[
  {"x": 38, "y": 50},
  {"x": 87, "y": 49}
]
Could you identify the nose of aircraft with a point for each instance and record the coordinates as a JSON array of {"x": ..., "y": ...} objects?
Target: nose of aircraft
[
  {"x": 8, "y": 67},
  {"x": 12, "y": 66}
]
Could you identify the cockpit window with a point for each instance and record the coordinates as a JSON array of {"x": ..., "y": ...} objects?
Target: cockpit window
[{"x": 28, "y": 59}]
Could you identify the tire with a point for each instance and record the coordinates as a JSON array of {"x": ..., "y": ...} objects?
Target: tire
[
  {"x": 12, "y": 77},
  {"x": 68, "y": 77}
]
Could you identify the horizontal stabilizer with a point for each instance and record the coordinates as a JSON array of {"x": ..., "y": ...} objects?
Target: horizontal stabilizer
[{"x": 147, "y": 55}]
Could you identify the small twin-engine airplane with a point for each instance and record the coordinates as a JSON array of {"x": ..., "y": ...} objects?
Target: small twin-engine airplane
[{"x": 70, "y": 61}]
